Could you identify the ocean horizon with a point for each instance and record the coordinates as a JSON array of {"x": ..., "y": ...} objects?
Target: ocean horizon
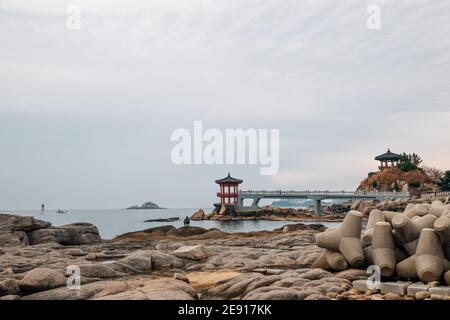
[{"x": 114, "y": 222}]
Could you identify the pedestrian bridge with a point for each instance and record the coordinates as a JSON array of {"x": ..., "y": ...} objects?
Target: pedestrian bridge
[{"x": 317, "y": 196}]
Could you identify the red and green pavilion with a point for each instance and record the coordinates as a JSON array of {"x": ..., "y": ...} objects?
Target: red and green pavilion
[{"x": 229, "y": 189}]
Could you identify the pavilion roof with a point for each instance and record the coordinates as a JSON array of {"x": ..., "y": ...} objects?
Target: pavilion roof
[
  {"x": 229, "y": 179},
  {"x": 388, "y": 156}
]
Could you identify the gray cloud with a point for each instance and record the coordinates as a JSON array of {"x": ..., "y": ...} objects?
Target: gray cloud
[{"x": 86, "y": 116}]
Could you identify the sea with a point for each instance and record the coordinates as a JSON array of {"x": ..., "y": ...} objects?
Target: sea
[{"x": 114, "y": 222}]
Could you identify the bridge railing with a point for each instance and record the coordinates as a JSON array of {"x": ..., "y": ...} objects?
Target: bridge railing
[
  {"x": 435, "y": 195},
  {"x": 307, "y": 192}
]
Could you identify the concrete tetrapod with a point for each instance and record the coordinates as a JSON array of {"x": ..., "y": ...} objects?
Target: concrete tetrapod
[
  {"x": 447, "y": 277},
  {"x": 383, "y": 248},
  {"x": 400, "y": 255},
  {"x": 346, "y": 239},
  {"x": 417, "y": 210},
  {"x": 437, "y": 208},
  {"x": 331, "y": 260},
  {"x": 406, "y": 269},
  {"x": 367, "y": 251},
  {"x": 408, "y": 230},
  {"x": 427, "y": 221},
  {"x": 389, "y": 215},
  {"x": 446, "y": 213},
  {"x": 442, "y": 227},
  {"x": 374, "y": 217},
  {"x": 430, "y": 261}
]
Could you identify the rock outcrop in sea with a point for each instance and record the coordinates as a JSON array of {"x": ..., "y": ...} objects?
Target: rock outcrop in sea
[
  {"x": 146, "y": 205},
  {"x": 333, "y": 212}
]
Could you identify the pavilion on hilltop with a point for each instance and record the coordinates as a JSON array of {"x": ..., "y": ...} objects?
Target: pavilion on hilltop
[{"x": 388, "y": 160}]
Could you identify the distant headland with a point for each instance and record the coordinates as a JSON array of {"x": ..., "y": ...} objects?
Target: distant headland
[{"x": 146, "y": 205}]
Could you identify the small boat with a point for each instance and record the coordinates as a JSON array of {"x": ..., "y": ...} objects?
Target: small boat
[{"x": 59, "y": 211}]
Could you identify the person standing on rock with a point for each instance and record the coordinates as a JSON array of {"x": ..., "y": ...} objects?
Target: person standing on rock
[{"x": 187, "y": 221}]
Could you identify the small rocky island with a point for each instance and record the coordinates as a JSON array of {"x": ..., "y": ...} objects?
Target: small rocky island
[{"x": 146, "y": 205}]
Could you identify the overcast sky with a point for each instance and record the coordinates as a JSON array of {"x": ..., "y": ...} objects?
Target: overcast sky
[{"x": 86, "y": 115}]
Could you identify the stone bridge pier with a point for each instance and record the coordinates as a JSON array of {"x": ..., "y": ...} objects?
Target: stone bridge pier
[{"x": 317, "y": 205}]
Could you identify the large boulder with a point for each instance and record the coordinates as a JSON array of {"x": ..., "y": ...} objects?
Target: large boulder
[
  {"x": 99, "y": 270},
  {"x": 9, "y": 222},
  {"x": 13, "y": 238},
  {"x": 141, "y": 289},
  {"x": 271, "y": 293},
  {"x": 136, "y": 262},
  {"x": 191, "y": 252},
  {"x": 144, "y": 261},
  {"x": 160, "y": 289},
  {"x": 87, "y": 291},
  {"x": 223, "y": 210},
  {"x": 13, "y": 229},
  {"x": 199, "y": 215},
  {"x": 71, "y": 234},
  {"x": 9, "y": 287},
  {"x": 234, "y": 288},
  {"x": 144, "y": 235},
  {"x": 364, "y": 206},
  {"x": 353, "y": 274},
  {"x": 163, "y": 260},
  {"x": 41, "y": 279},
  {"x": 315, "y": 274}
]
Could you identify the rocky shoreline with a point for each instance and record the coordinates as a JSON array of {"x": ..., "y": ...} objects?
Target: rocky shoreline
[
  {"x": 229, "y": 212},
  {"x": 187, "y": 263},
  {"x": 330, "y": 213}
]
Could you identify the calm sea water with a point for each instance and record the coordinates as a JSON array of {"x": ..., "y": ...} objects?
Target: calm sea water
[{"x": 111, "y": 222}]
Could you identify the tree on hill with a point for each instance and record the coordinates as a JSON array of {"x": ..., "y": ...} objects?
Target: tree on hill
[
  {"x": 409, "y": 162},
  {"x": 444, "y": 182},
  {"x": 434, "y": 174},
  {"x": 415, "y": 159}
]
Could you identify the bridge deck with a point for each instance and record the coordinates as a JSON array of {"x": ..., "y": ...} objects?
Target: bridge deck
[
  {"x": 320, "y": 194},
  {"x": 315, "y": 195}
]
